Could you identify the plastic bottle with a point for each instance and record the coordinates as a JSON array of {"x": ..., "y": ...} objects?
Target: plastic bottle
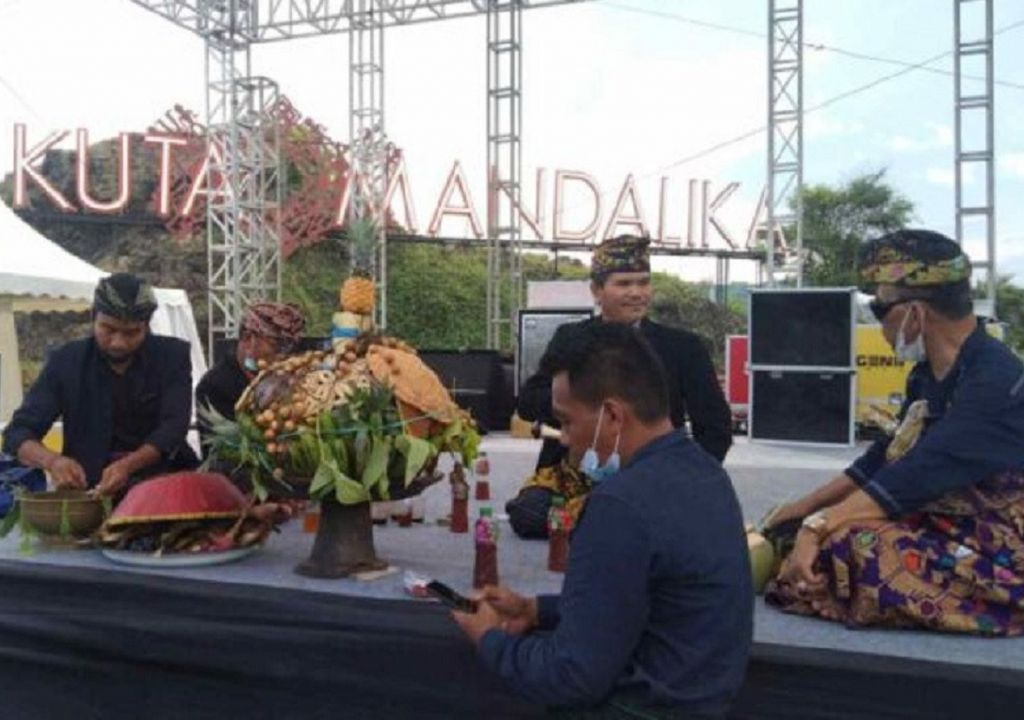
[
  {"x": 559, "y": 525},
  {"x": 404, "y": 515},
  {"x": 311, "y": 517},
  {"x": 485, "y": 535},
  {"x": 460, "y": 500},
  {"x": 482, "y": 470}
]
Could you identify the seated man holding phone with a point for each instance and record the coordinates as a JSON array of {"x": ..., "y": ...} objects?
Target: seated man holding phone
[{"x": 655, "y": 615}]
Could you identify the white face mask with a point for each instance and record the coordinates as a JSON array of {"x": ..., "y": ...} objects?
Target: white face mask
[
  {"x": 914, "y": 352},
  {"x": 591, "y": 464}
]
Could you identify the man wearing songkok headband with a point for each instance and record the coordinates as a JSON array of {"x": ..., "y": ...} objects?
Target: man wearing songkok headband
[
  {"x": 124, "y": 396},
  {"x": 269, "y": 330},
  {"x": 620, "y": 281},
  {"x": 890, "y": 541}
]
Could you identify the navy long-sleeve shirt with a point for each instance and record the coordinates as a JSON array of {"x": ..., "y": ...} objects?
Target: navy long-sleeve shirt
[
  {"x": 974, "y": 429},
  {"x": 657, "y": 601},
  {"x": 78, "y": 385}
]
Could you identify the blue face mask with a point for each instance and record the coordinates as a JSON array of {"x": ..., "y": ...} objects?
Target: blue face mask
[
  {"x": 591, "y": 464},
  {"x": 249, "y": 364}
]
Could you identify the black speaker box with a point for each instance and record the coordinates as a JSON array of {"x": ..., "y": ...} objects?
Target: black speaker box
[
  {"x": 801, "y": 406},
  {"x": 801, "y": 327},
  {"x": 477, "y": 383}
]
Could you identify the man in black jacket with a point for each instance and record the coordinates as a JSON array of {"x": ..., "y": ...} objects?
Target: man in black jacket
[
  {"x": 621, "y": 284},
  {"x": 269, "y": 330},
  {"x": 125, "y": 397}
]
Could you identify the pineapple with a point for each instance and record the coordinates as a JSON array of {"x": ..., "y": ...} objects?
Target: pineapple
[{"x": 358, "y": 293}]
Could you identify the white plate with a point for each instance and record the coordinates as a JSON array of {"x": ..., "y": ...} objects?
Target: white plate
[{"x": 178, "y": 560}]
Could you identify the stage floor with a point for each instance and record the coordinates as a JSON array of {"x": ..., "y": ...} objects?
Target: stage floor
[{"x": 762, "y": 474}]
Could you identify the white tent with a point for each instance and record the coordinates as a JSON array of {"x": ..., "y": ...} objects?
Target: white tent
[{"x": 38, "y": 274}]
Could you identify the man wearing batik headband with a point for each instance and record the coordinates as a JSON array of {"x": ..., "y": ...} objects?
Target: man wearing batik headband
[
  {"x": 892, "y": 539},
  {"x": 123, "y": 394},
  {"x": 269, "y": 330},
  {"x": 621, "y": 285}
]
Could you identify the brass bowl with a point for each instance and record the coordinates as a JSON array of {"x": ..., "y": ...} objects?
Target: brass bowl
[{"x": 44, "y": 512}]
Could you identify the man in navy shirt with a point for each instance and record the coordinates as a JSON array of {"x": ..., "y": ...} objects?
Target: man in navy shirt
[
  {"x": 655, "y": 615},
  {"x": 125, "y": 397},
  {"x": 891, "y": 540}
]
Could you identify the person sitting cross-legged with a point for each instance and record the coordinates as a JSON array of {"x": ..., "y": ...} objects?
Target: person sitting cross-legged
[{"x": 926, "y": 529}]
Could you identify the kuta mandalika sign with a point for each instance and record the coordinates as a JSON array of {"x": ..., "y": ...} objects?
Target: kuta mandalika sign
[{"x": 322, "y": 184}]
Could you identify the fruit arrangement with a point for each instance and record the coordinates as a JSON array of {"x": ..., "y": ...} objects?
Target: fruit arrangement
[
  {"x": 363, "y": 422},
  {"x": 358, "y": 294}
]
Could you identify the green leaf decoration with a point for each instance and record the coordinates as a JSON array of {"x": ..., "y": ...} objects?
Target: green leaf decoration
[
  {"x": 416, "y": 456},
  {"x": 362, "y": 447},
  {"x": 377, "y": 462},
  {"x": 349, "y": 492},
  {"x": 324, "y": 479}
]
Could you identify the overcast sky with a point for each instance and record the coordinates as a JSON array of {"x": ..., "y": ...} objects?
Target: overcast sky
[{"x": 610, "y": 88}]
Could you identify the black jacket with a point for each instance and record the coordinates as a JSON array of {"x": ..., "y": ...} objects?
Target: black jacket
[
  {"x": 76, "y": 385},
  {"x": 694, "y": 391},
  {"x": 220, "y": 389}
]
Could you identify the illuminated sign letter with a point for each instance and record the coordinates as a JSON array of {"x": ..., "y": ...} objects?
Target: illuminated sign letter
[
  {"x": 456, "y": 181},
  {"x": 709, "y": 213},
  {"x": 400, "y": 179},
  {"x": 636, "y": 219},
  {"x": 535, "y": 221},
  {"x": 558, "y": 231},
  {"x": 124, "y": 175},
  {"x": 206, "y": 176},
  {"x": 165, "y": 142},
  {"x": 23, "y": 169}
]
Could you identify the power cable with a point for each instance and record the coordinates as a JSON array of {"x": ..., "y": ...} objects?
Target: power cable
[{"x": 810, "y": 45}]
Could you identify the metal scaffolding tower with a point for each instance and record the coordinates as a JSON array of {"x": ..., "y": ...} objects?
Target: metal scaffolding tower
[
  {"x": 974, "y": 133},
  {"x": 244, "y": 251},
  {"x": 243, "y": 183},
  {"x": 784, "y": 203},
  {"x": 504, "y": 165},
  {"x": 367, "y": 132}
]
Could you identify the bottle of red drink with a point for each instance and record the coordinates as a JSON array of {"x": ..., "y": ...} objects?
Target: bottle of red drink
[
  {"x": 482, "y": 470},
  {"x": 460, "y": 500},
  {"x": 485, "y": 535},
  {"x": 559, "y": 526}
]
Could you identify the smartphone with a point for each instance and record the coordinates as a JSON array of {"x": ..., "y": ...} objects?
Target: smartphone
[{"x": 450, "y": 598}]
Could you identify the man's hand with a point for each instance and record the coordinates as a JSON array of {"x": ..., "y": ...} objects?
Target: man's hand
[
  {"x": 798, "y": 570},
  {"x": 517, "y": 613},
  {"x": 476, "y": 624},
  {"x": 115, "y": 476},
  {"x": 66, "y": 473}
]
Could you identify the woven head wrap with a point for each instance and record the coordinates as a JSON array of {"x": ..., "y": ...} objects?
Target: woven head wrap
[
  {"x": 283, "y": 322},
  {"x": 625, "y": 253},
  {"x": 913, "y": 258},
  {"x": 125, "y": 297}
]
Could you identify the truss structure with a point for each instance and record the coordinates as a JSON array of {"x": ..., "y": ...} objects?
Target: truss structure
[
  {"x": 243, "y": 249},
  {"x": 286, "y": 19},
  {"x": 785, "y": 177},
  {"x": 370, "y": 148},
  {"x": 245, "y": 192},
  {"x": 504, "y": 163},
  {"x": 974, "y": 139},
  {"x": 243, "y": 183}
]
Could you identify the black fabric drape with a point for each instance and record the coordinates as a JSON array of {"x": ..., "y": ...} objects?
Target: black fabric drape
[{"x": 93, "y": 644}]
